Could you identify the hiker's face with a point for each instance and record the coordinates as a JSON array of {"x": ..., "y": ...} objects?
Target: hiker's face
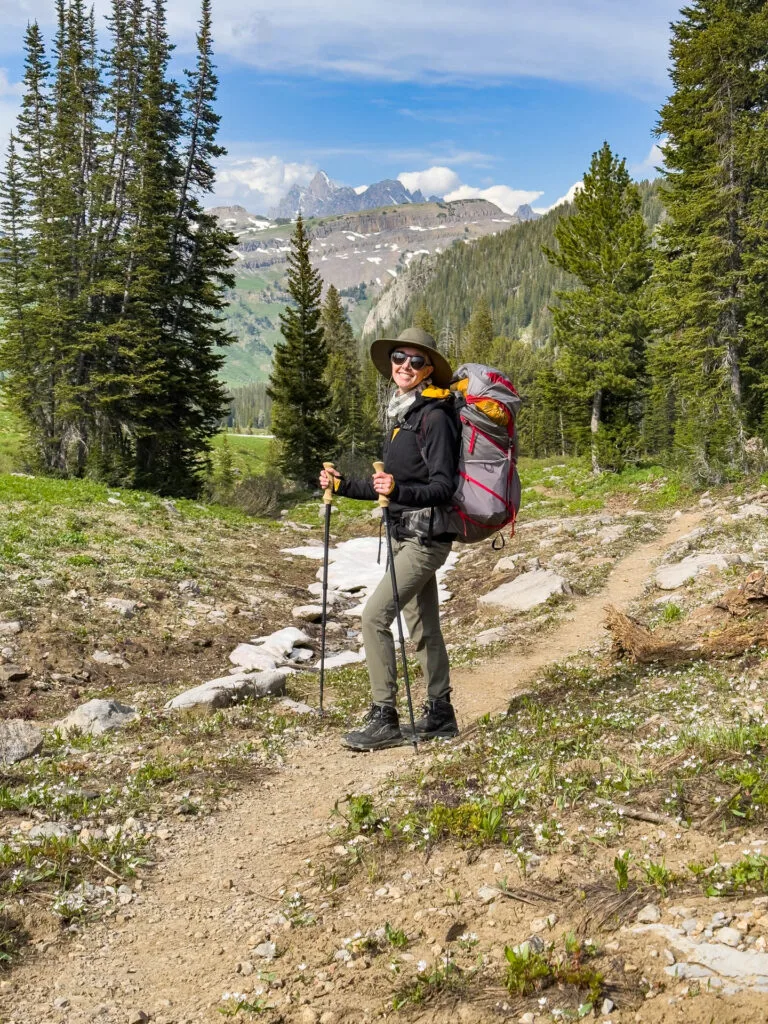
[{"x": 405, "y": 376}]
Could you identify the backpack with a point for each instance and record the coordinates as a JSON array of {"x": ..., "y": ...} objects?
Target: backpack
[{"x": 487, "y": 494}]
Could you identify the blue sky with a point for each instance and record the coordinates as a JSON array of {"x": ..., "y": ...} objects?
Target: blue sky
[{"x": 508, "y": 99}]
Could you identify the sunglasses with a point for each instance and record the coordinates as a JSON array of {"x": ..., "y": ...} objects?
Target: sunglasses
[{"x": 401, "y": 358}]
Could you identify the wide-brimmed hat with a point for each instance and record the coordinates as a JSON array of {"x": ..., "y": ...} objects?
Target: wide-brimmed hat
[{"x": 413, "y": 337}]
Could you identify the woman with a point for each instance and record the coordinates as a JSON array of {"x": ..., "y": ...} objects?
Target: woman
[{"x": 420, "y": 463}]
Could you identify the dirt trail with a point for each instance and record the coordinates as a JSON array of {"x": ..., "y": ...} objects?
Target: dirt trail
[{"x": 218, "y": 879}]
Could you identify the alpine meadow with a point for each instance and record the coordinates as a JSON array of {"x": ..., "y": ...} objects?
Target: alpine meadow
[{"x": 384, "y": 512}]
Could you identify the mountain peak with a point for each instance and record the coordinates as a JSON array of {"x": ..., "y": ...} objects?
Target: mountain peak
[{"x": 324, "y": 198}]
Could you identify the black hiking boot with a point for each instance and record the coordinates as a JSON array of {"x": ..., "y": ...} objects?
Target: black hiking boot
[
  {"x": 438, "y": 721},
  {"x": 381, "y": 730}
]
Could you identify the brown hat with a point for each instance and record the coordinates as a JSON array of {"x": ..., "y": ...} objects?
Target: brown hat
[{"x": 413, "y": 337}]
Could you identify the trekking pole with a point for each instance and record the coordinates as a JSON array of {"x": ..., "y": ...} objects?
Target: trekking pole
[
  {"x": 384, "y": 505},
  {"x": 328, "y": 502}
]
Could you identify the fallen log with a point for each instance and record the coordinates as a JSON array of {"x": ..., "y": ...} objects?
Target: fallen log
[{"x": 633, "y": 640}]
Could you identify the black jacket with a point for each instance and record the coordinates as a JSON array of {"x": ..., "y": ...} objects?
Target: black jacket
[{"x": 421, "y": 481}]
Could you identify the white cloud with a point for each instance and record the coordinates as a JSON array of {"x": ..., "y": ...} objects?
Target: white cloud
[
  {"x": 619, "y": 44},
  {"x": 433, "y": 181},
  {"x": 257, "y": 182},
  {"x": 647, "y": 168},
  {"x": 10, "y": 94},
  {"x": 567, "y": 198},
  {"x": 506, "y": 198}
]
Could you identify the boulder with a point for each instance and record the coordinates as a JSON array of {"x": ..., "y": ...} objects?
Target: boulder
[
  {"x": 609, "y": 534},
  {"x": 49, "y": 830},
  {"x": 750, "y": 511},
  {"x": 509, "y": 563},
  {"x": 97, "y": 717},
  {"x": 670, "y": 577},
  {"x": 18, "y": 739},
  {"x": 220, "y": 693},
  {"x": 253, "y": 658},
  {"x": 527, "y": 591}
]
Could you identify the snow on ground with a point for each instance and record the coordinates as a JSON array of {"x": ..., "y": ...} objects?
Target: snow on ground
[
  {"x": 353, "y": 569},
  {"x": 392, "y": 272},
  {"x": 373, "y": 259}
]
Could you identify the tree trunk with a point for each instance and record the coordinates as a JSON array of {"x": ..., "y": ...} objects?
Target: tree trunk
[{"x": 597, "y": 407}]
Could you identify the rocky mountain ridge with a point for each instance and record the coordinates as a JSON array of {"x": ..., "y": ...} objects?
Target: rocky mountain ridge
[{"x": 324, "y": 198}]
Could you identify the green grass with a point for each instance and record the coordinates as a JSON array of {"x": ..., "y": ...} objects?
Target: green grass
[
  {"x": 11, "y": 438},
  {"x": 249, "y": 452}
]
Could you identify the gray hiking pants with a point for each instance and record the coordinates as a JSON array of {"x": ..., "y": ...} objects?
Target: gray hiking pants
[{"x": 415, "y": 568}]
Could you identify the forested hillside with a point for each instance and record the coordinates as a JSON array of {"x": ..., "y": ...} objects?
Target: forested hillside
[{"x": 509, "y": 271}]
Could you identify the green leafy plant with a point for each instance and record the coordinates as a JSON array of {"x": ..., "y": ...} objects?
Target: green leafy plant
[
  {"x": 621, "y": 867},
  {"x": 396, "y": 937}
]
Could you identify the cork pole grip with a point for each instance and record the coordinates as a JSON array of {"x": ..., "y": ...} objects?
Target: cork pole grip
[
  {"x": 328, "y": 492},
  {"x": 383, "y": 499}
]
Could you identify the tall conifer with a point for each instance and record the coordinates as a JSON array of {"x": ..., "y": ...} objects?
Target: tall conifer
[
  {"x": 600, "y": 328},
  {"x": 299, "y": 397},
  {"x": 712, "y": 291}
]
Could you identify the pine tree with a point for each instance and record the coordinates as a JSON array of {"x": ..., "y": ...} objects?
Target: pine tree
[
  {"x": 423, "y": 318},
  {"x": 480, "y": 334},
  {"x": 347, "y": 418},
  {"x": 600, "y": 328},
  {"x": 299, "y": 400},
  {"x": 709, "y": 360}
]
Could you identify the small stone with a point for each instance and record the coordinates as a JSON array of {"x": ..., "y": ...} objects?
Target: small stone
[
  {"x": 113, "y": 660},
  {"x": 669, "y": 956},
  {"x": 487, "y": 893},
  {"x": 19, "y": 739},
  {"x": 123, "y": 606},
  {"x": 265, "y": 950},
  {"x": 730, "y": 936},
  {"x": 649, "y": 914},
  {"x": 60, "y": 1003},
  {"x": 690, "y": 924},
  {"x": 308, "y": 1015},
  {"x": 138, "y": 1017},
  {"x": 10, "y": 628},
  {"x": 607, "y": 1007},
  {"x": 97, "y": 717},
  {"x": 48, "y": 830},
  {"x": 528, "y": 1018},
  {"x": 245, "y": 967}
]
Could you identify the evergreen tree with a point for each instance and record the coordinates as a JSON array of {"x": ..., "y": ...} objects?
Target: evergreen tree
[
  {"x": 348, "y": 421},
  {"x": 299, "y": 400},
  {"x": 124, "y": 274},
  {"x": 480, "y": 334},
  {"x": 423, "y": 318},
  {"x": 600, "y": 328},
  {"x": 709, "y": 360}
]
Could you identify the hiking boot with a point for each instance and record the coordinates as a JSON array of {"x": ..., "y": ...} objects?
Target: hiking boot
[
  {"x": 382, "y": 729},
  {"x": 438, "y": 721}
]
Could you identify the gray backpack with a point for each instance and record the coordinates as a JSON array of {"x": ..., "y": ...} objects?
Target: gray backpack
[{"x": 487, "y": 494}]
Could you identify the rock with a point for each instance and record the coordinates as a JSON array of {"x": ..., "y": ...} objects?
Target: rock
[
  {"x": 296, "y": 706},
  {"x": 542, "y": 924},
  {"x": 253, "y": 658},
  {"x": 265, "y": 950},
  {"x": 105, "y": 658},
  {"x": 13, "y": 673},
  {"x": 609, "y": 534},
  {"x": 10, "y": 628},
  {"x": 670, "y": 577},
  {"x": 138, "y": 1017},
  {"x": 123, "y": 606},
  {"x": 97, "y": 717},
  {"x": 689, "y": 924},
  {"x": 491, "y": 636},
  {"x": 220, "y": 693},
  {"x": 18, "y": 739},
  {"x": 507, "y": 564},
  {"x": 48, "y": 830},
  {"x": 528, "y": 1018},
  {"x": 307, "y": 1015},
  {"x": 245, "y": 967},
  {"x": 607, "y": 1007},
  {"x": 730, "y": 936},
  {"x": 189, "y": 587},
  {"x": 344, "y": 658},
  {"x": 308, "y": 612},
  {"x": 745, "y": 512},
  {"x": 649, "y": 914},
  {"x": 527, "y": 591},
  {"x": 487, "y": 893}
]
